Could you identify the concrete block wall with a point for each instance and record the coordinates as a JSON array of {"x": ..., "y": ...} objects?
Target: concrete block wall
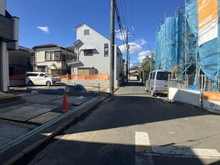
[{"x": 103, "y": 83}]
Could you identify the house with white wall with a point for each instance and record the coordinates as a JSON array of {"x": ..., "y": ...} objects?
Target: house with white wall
[
  {"x": 93, "y": 54},
  {"x": 8, "y": 41},
  {"x": 52, "y": 58}
]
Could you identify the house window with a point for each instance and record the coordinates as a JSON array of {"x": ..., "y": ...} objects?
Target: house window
[
  {"x": 41, "y": 69},
  {"x": 86, "y": 71},
  {"x": 86, "y": 32},
  {"x": 88, "y": 52},
  {"x": 57, "y": 56},
  {"x": 52, "y": 56},
  {"x": 105, "y": 50}
]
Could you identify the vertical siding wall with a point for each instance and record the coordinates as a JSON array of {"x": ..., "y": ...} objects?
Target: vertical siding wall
[
  {"x": 2, "y": 7},
  {"x": 1, "y": 67},
  {"x": 98, "y": 60},
  {"x": 97, "y": 41}
]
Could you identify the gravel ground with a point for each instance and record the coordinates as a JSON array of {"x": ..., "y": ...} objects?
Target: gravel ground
[{"x": 10, "y": 131}]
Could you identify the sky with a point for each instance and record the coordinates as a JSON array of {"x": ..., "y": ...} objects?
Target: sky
[{"x": 53, "y": 21}]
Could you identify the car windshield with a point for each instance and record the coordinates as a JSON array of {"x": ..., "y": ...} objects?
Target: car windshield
[
  {"x": 162, "y": 75},
  {"x": 49, "y": 74}
]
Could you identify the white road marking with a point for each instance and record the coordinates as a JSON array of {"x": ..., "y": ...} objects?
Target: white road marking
[
  {"x": 145, "y": 152},
  {"x": 142, "y": 142},
  {"x": 142, "y": 145},
  {"x": 186, "y": 152}
]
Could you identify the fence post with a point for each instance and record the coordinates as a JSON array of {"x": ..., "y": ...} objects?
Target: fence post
[
  {"x": 218, "y": 84},
  {"x": 201, "y": 98},
  {"x": 202, "y": 82},
  {"x": 187, "y": 81},
  {"x": 99, "y": 87}
]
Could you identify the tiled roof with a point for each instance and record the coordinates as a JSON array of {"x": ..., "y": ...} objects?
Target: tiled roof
[{"x": 46, "y": 46}]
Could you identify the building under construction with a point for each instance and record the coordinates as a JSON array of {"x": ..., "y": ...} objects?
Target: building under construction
[{"x": 188, "y": 43}]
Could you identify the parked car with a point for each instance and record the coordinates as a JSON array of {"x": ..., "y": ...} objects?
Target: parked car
[
  {"x": 157, "y": 82},
  {"x": 40, "y": 78}
]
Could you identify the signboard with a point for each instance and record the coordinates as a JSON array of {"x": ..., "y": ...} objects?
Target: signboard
[
  {"x": 211, "y": 100},
  {"x": 207, "y": 20}
]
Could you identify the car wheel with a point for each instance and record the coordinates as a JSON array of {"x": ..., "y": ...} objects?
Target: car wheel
[
  {"x": 30, "y": 83},
  {"x": 48, "y": 83},
  {"x": 146, "y": 90},
  {"x": 152, "y": 93}
]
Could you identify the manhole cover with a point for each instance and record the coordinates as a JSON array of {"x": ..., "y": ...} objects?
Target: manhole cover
[{"x": 115, "y": 154}]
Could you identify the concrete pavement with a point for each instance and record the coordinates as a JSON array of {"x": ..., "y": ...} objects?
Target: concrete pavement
[
  {"x": 135, "y": 129},
  {"x": 45, "y": 112}
]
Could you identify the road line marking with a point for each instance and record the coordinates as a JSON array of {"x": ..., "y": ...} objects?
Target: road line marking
[
  {"x": 142, "y": 145},
  {"x": 142, "y": 142},
  {"x": 186, "y": 152}
]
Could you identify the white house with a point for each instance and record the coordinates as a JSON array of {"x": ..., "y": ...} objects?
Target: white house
[
  {"x": 52, "y": 58},
  {"x": 93, "y": 54}
]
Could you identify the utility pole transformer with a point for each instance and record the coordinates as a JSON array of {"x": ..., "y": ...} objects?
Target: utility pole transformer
[{"x": 112, "y": 43}]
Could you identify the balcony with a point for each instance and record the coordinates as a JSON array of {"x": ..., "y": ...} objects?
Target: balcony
[{"x": 8, "y": 29}]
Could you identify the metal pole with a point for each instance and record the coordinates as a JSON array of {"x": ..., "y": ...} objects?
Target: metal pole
[
  {"x": 112, "y": 41},
  {"x": 127, "y": 55}
]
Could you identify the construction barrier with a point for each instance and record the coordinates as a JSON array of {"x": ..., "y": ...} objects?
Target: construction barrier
[
  {"x": 211, "y": 100},
  {"x": 85, "y": 77}
]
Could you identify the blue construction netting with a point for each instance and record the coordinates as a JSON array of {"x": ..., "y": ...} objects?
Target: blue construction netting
[
  {"x": 207, "y": 56},
  {"x": 170, "y": 43},
  {"x": 177, "y": 45}
]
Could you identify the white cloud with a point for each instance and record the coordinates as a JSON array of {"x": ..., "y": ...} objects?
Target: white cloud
[
  {"x": 44, "y": 29},
  {"x": 143, "y": 55},
  {"x": 120, "y": 34},
  {"x": 134, "y": 48},
  {"x": 141, "y": 41}
]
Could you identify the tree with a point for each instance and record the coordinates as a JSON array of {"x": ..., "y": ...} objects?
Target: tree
[{"x": 147, "y": 65}]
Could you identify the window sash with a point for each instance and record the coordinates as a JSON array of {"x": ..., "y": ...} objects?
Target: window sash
[
  {"x": 106, "y": 50},
  {"x": 86, "y": 32},
  {"x": 52, "y": 56},
  {"x": 88, "y": 52}
]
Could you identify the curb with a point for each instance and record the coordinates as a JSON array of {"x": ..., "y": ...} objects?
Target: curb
[
  {"x": 16, "y": 149},
  {"x": 198, "y": 108}
]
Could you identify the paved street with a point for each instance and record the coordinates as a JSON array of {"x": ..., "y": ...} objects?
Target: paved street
[{"x": 133, "y": 128}]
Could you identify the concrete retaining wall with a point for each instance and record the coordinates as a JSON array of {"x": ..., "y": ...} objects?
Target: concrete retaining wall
[
  {"x": 191, "y": 97},
  {"x": 206, "y": 100},
  {"x": 86, "y": 83},
  {"x": 16, "y": 82}
]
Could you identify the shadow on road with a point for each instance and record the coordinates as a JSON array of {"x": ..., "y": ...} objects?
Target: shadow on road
[
  {"x": 132, "y": 83},
  {"x": 94, "y": 138}
]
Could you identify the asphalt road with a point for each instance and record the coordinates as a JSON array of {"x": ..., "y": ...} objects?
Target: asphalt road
[{"x": 133, "y": 128}]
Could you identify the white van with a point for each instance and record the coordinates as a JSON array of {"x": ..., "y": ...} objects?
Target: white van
[
  {"x": 157, "y": 82},
  {"x": 40, "y": 78}
]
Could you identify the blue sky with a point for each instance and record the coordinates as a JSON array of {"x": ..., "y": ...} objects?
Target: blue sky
[{"x": 53, "y": 21}]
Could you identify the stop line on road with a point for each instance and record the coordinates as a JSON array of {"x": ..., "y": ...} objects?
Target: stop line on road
[{"x": 143, "y": 147}]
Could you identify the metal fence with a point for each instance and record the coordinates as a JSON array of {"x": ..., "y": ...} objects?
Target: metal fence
[{"x": 192, "y": 82}]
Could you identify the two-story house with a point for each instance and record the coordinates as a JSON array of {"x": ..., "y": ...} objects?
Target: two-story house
[
  {"x": 93, "y": 54},
  {"x": 52, "y": 58},
  {"x": 8, "y": 41}
]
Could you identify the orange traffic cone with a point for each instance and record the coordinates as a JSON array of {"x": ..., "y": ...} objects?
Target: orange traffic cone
[{"x": 65, "y": 103}]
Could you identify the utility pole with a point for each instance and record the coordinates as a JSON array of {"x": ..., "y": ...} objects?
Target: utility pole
[
  {"x": 127, "y": 52},
  {"x": 112, "y": 43}
]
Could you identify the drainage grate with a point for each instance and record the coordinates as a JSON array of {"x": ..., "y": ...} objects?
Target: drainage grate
[{"x": 115, "y": 154}]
